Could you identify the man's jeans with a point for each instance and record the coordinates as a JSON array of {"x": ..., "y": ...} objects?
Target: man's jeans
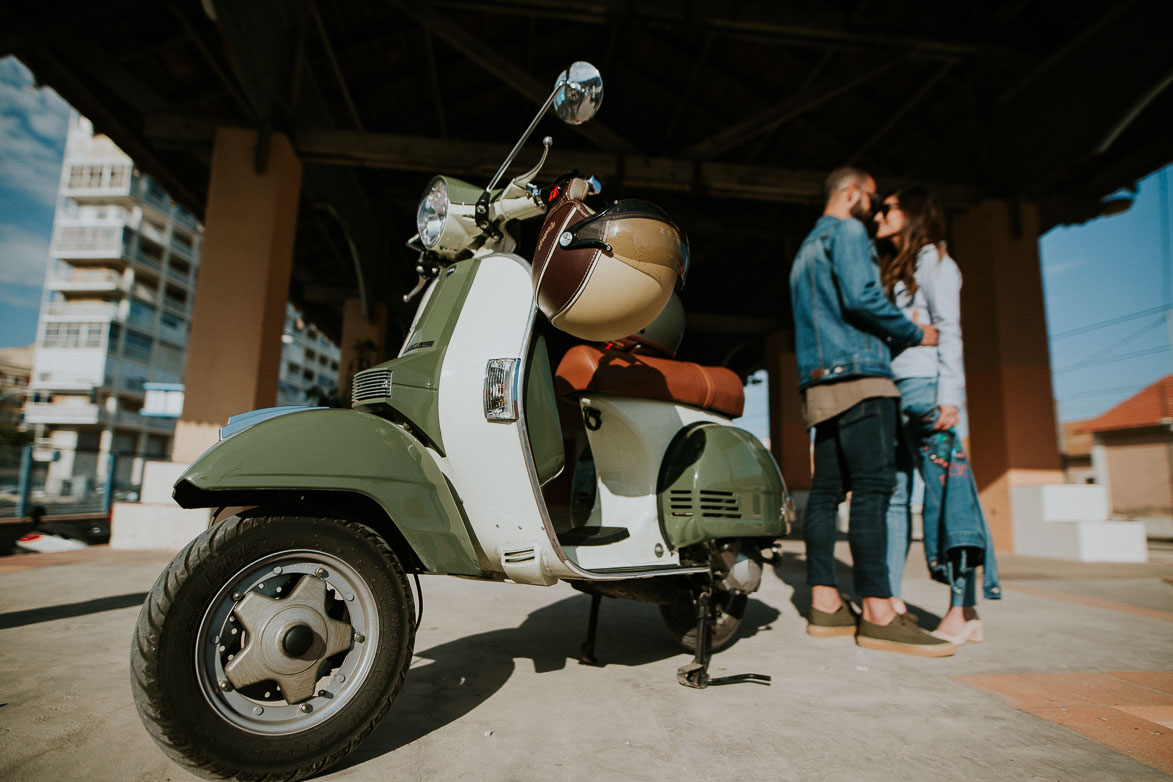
[{"x": 853, "y": 452}]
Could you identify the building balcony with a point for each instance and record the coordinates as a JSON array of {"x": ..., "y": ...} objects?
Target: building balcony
[
  {"x": 120, "y": 194},
  {"x": 87, "y": 281},
  {"x": 106, "y": 241},
  {"x": 185, "y": 251},
  {"x": 52, "y": 413},
  {"x": 89, "y": 310}
]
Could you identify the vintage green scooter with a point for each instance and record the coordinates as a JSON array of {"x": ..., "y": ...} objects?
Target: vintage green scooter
[{"x": 275, "y": 641}]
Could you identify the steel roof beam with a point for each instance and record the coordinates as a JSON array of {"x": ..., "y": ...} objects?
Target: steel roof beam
[{"x": 503, "y": 68}]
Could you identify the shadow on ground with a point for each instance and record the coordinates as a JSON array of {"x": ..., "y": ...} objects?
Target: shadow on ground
[
  {"x": 32, "y": 616},
  {"x": 450, "y": 680}
]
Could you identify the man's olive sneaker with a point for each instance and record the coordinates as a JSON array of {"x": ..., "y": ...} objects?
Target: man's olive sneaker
[
  {"x": 825, "y": 625},
  {"x": 902, "y": 635}
]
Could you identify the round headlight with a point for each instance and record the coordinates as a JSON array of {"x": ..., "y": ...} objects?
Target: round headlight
[{"x": 432, "y": 213}]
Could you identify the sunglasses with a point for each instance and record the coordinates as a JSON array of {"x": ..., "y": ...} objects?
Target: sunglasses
[{"x": 886, "y": 208}]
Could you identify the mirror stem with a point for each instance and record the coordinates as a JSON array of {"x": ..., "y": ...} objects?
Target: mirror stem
[{"x": 524, "y": 136}]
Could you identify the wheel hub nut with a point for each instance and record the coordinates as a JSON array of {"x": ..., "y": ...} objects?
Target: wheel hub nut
[
  {"x": 306, "y": 708},
  {"x": 297, "y": 640}
]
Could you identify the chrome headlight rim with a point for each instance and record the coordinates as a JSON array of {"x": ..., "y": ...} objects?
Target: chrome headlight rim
[{"x": 432, "y": 214}]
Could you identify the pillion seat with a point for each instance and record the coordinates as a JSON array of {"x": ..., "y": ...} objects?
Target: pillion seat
[{"x": 588, "y": 369}]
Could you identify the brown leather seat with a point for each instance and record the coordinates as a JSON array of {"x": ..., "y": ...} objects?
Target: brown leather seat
[{"x": 588, "y": 369}]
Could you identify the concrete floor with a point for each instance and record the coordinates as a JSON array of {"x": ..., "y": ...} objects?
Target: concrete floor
[{"x": 1074, "y": 682}]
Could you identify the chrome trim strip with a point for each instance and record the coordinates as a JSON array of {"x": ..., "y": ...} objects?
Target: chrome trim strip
[
  {"x": 647, "y": 572},
  {"x": 241, "y": 421}
]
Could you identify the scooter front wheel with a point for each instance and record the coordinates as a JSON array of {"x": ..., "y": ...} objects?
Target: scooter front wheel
[
  {"x": 271, "y": 646},
  {"x": 680, "y": 617}
]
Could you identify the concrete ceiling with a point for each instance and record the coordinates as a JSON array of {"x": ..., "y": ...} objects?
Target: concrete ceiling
[{"x": 727, "y": 114}]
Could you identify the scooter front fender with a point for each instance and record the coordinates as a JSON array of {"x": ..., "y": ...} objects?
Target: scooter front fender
[{"x": 337, "y": 450}]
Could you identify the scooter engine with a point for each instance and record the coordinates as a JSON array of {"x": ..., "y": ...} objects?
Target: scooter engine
[{"x": 742, "y": 573}]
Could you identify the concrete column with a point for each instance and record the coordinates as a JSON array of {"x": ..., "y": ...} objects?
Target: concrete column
[
  {"x": 1007, "y": 360},
  {"x": 234, "y": 353},
  {"x": 789, "y": 437},
  {"x": 364, "y": 342}
]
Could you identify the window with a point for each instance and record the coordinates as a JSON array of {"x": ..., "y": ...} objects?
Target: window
[
  {"x": 150, "y": 251},
  {"x": 137, "y": 346},
  {"x": 73, "y": 335},
  {"x": 157, "y": 445},
  {"x": 85, "y": 176},
  {"x": 141, "y": 315},
  {"x": 119, "y": 176},
  {"x": 169, "y": 358},
  {"x": 175, "y": 297}
]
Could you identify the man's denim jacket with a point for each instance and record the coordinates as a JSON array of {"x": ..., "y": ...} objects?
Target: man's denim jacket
[{"x": 844, "y": 325}]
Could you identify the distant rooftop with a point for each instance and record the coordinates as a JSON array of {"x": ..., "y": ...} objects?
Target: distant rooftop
[{"x": 1151, "y": 406}]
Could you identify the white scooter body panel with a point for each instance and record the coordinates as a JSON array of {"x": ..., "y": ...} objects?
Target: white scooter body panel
[
  {"x": 489, "y": 462},
  {"x": 628, "y": 449},
  {"x": 485, "y": 461}
]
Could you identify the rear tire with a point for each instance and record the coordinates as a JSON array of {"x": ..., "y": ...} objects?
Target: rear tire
[
  {"x": 192, "y": 625},
  {"x": 680, "y": 617}
]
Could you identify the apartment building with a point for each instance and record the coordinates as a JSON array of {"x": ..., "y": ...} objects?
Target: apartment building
[
  {"x": 15, "y": 368},
  {"x": 309, "y": 363},
  {"x": 115, "y": 315}
]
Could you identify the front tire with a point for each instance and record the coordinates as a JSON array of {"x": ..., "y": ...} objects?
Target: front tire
[{"x": 271, "y": 646}]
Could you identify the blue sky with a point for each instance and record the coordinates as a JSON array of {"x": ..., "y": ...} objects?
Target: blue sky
[
  {"x": 1109, "y": 269},
  {"x": 32, "y": 139}
]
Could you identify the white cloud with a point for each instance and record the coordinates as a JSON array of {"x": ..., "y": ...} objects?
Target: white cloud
[
  {"x": 33, "y": 124},
  {"x": 24, "y": 255},
  {"x": 1055, "y": 268}
]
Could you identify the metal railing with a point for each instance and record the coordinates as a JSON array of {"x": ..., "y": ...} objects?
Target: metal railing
[{"x": 61, "y": 481}]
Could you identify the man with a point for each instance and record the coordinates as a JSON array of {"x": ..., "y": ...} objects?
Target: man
[{"x": 845, "y": 329}]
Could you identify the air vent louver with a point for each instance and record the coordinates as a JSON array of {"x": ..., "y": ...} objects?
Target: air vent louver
[{"x": 374, "y": 384}]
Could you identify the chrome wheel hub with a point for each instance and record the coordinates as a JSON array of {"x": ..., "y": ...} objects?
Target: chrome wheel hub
[{"x": 287, "y": 640}]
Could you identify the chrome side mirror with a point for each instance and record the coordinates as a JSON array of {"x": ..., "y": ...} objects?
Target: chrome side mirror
[{"x": 579, "y": 93}]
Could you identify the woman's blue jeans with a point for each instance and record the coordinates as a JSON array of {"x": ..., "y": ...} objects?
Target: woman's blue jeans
[
  {"x": 853, "y": 452},
  {"x": 918, "y": 408}
]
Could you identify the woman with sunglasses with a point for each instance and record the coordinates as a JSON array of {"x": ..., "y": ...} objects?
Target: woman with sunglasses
[{"x": 920, "y": 277}]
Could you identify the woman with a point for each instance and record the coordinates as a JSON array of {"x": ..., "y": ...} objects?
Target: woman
[{"x": 920, "y": 277}]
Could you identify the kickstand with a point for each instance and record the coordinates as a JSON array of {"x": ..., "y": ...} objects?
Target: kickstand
[
  {"x": 696, "y": 673},
  {"x": 586, "y": 653}
]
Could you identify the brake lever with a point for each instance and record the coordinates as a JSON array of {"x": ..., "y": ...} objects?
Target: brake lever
[
  {"x": 425, "y": 268},
  {"x": 419, "y": 286}
]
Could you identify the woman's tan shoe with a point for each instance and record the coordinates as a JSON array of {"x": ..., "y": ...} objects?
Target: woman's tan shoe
[{"x": 971, "y": 632}]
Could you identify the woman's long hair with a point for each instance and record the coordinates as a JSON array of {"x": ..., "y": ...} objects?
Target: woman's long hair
[{"x": 924, "y": 224}]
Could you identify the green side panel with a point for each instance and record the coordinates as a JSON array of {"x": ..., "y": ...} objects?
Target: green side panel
[
  {"x": 415, "y": 376},
  {"x": 461, "y": 192},
  {"x": 541, "y": 414},
  {"x": 344, "y": 450},
  {"x": 719, "y": 482}
]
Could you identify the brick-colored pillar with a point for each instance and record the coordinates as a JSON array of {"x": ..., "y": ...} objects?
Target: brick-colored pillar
[
  {"x": 1007, "y": 360},
  {"x": 789, "y": 437},
  {"x": 364, "y": 342},
  {"x": 234, "y": 353}
]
